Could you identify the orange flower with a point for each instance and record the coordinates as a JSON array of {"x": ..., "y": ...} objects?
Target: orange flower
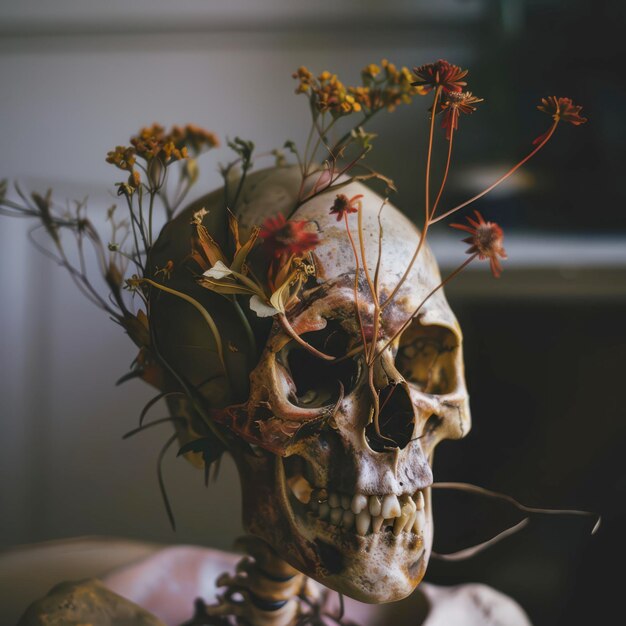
[
  {"x": 282, "y": 238},
  {"x": 486, "y": 241},
  {"x": 343, "y": 205},
  {"x": 457, "y": 102},
  {"x": 562, "y": 109},
  {"x": 440, "y": 74}
]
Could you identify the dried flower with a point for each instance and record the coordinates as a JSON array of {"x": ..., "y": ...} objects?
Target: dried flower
[
  {"x": 283, "y": 238},
  {"x": 456, "y": 103},
  {"x": 305, "y": 77},
  {"x": 122, "y": 157},
  {"x": 153, "y": 142},
  {"x": 198, "y": 216},
  {"x": 197, "y": 139},
  {"x": 384, "y": 88},
  {"x": 166, "y": 270},
  {"x": 386, "y": 92},
  {"x": 343, "y": 205},
  {"x": 370, "y": 71},
  {"x": 486, "y": 241},
  {"x": 562, "y": 109},
  {"x": 440, "y": 74}
]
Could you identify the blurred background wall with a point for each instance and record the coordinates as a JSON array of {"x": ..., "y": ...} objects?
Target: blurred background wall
[{"x": 545, "y": 344}]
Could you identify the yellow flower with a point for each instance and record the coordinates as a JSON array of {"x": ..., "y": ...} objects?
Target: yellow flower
[{"x": 122, "y": 157}]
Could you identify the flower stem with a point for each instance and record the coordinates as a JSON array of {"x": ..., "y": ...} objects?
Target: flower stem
[
  {"x": 288, "y": 328},
  {"x": 502, "y": 178},
  {"x": 205, "y": 314},
  {"x": 448, "y": 278},
  {"x": 356, "y": 282},
  {"x": 427, "y": 220},
  {"x": 430, "y": 153},
  {"x": 445, "y": 177}
]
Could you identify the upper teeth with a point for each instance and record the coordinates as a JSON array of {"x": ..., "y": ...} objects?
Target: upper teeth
[{"x": 368, "y": 513}]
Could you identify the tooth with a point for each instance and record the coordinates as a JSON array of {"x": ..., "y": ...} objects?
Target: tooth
[
  {"x": 300, "y": 488},
  {"x": 420, "y": 522},
  {"x": 375, "y": 506},
  {"x": 335, "y": 515},
  {"x": 419, "y": 501},
  {"x": 334, "y": 500},
  {"x": 363, "y": 522},
  {"x": 324, "y": 510},
  {"x": 347, "y": 521},
  {"x": 345, "y": 502},
  {"x": 359, "y": 502},
  {"x": 398, "y": 525},
  {"x": 405, "y": 516},
  {"x": 391, "y": 506},
  {"x": 411, "y": 523},
  {"x": 377, "y": 523}
]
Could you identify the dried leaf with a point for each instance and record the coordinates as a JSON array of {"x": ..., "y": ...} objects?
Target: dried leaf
[
  {"x": 208, "y": 246},
  {"x": 233, "y": 225},
  {"x": 244, "y": 251},
  {"x": 225, "y": 286},
  {"x": 210, "y": 448},
  {"x": 280, "y": 298}
]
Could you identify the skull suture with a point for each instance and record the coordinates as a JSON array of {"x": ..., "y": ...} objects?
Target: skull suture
[{"x": 347, "y": 507}]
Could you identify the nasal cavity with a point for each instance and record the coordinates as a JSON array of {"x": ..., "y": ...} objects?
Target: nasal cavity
[{"x": 396, "y": 421}]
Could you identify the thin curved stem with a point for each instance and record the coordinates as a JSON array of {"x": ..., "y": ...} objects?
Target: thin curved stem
[
  {"x": 481, "y": 491},
  {"x": 356, "y": 281},
  {"x": 427, "y": 221},
  {"x": 442, "y": 284},
  {"x": 501, "y": 179},
  {"x": 445, "y": 177},
  {"x": 205, "y": 314},
  {"x": 166, "y": 501},
  {"x": 288, "y": 328},
  {"x": 430, "y": 153}
]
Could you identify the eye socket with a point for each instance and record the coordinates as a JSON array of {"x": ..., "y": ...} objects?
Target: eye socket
[
  {"x": 318, "y": 382},
  {"x": 426, "y": 357}
]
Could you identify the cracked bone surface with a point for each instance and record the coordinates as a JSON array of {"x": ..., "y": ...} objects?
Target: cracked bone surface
[{"x": 341, "y": 502}]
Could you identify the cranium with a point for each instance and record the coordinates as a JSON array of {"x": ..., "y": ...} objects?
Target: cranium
[{"x": 348, "y": 507}]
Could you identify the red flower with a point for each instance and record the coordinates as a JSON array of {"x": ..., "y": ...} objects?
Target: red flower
[
  {"x": 457, "y": 103},
  {"x": 284, "y": 238},
  {"x": 440, "y": 74},
  {"x": 562, "y": 109},
  {"x": 343, "y": 205},
  {"x": 486, "y": 241}
]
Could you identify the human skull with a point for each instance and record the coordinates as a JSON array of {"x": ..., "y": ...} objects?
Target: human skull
[{"x": 344, "y": 505}]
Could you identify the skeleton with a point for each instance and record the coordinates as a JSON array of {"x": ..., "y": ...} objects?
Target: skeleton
[{"x": 331, "y": 497}]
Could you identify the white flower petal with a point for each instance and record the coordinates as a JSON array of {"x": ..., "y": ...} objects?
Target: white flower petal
[
  {"x": 219, "y": 270},
  {"x": 261, "y": 308}
]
